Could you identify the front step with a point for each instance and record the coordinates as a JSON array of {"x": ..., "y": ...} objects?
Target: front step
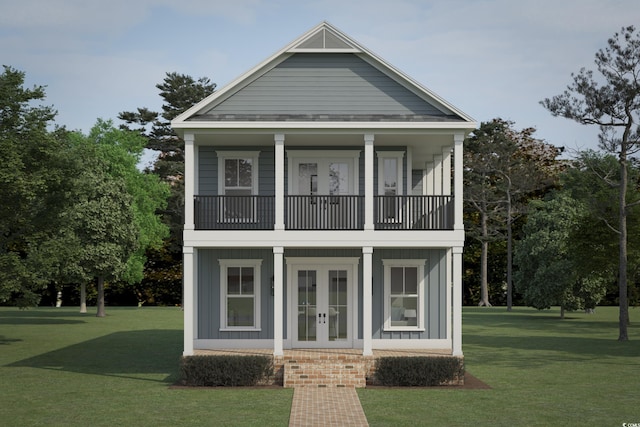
[{"x": 325, "y": 373}]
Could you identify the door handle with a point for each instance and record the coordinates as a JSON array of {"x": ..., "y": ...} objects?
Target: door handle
[
  {"x": 324, "y": 317},
  {"x": 319, "y": 318}
]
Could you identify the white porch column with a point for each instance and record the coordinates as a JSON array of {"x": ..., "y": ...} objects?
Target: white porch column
[
  {"x": 190, "y": 174},
  {"x": 279, "y": 160},
  {"x": 367, "y": 315},
  {"x": 446, "y": 171},
  {"x": 188, "y": 285},
  {"x": 368, "y": 181},
  {"x": 457, "y": 181},
  {"x": 278, "y": 300},
  {"x": 456, "y": 330}
]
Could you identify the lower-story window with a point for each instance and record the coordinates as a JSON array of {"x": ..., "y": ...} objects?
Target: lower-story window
[
  {"x": 240, "y": 294},
  {"x": 404, "y": 294}
]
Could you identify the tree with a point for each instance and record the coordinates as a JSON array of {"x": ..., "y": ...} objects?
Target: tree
[
  {"x": 179, "y": 93},
  {"x": 119, "y": 152},
  {"x": 547, "y": 273},
  {"x": 30, "y": 183},
  {"x": 503, "y": 167},
  {"x": 614, "y": 106}
]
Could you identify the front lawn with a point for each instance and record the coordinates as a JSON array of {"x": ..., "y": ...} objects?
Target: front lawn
[
  {"x": 542, "y": 371},
  {"x": 62, "y": 368}
]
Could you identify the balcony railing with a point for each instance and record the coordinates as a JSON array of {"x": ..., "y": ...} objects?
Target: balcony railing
[
  {"x": 323, "y": 212},
  {"x": 413, "y": 212},
  {"x": 234, "y": 212}
]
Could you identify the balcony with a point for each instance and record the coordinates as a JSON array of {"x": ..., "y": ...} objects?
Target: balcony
[{"x": 323, "y": 212}]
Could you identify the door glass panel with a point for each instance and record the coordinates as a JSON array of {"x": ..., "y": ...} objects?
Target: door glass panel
[
  {"x": 308, "y": 179},
  {"x": 338, "y": 309},
  {"x": 338, "y": 178},
  {"x": 307, "y": 306}
]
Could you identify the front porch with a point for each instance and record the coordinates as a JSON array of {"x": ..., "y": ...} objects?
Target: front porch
[{"x": 326, "y": 367}]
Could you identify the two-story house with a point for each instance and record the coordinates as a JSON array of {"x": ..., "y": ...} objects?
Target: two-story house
[{"x": 323, "y": 206}]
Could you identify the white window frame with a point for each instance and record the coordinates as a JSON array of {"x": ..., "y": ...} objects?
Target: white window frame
[
  {"x": 398, "y": 156},
  {"x": 420, "y": 318},
  {"x": 234, "y": 155},
  {"x": 225, "y": 264}
]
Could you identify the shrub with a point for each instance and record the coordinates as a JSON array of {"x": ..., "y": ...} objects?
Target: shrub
[
  {"x": 229, "y": 371},
  {"x": 418, "y": 371}
]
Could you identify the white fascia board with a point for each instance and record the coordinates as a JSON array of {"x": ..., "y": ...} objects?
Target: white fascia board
[
  {"x": 284, "y": 125},
  {"x": 323, "y": 238}
]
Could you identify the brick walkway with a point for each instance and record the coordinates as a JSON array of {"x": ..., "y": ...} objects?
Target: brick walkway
[{"x": 321, "y": 406}]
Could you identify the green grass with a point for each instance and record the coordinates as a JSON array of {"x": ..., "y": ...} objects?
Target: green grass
[
  {"x": 62, "y": 368},
  {"x": 543, "y": 372}
]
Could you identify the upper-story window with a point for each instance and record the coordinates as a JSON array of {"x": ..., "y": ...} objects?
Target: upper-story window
[
  {"x": 237, "y": 180},
  {"x": 390, "y": 173}
]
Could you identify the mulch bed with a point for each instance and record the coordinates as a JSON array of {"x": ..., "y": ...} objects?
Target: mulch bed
[{"x": 470, "y": 383}]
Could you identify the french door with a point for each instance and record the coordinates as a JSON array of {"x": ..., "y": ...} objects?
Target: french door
[
  {"x": 320, "y": 187},
  {"x": 321, "y": 306}
]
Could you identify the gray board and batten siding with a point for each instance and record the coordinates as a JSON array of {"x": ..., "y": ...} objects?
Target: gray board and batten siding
[
  {"x": 208, "y": 290},
  {"x": 325, "y": 87}
]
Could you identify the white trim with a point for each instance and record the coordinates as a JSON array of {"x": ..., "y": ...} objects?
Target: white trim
[
  {"x": 360, "y": 126},
  {"x": 403, "y": 344},
  {"x": 255, "y": 159},
  {"x": 348, "y": 263},
  {"x": 225, "y": 264},
  {"x": 419, "y": 264},
  {"x": 278, "y": 300},
  {"x": 398, "y": 156},
  {"x": 367, "y": 309}
]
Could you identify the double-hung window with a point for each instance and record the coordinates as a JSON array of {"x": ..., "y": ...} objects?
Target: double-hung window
[
  {"x": 404, "y": 295},
  {"x": 240, "y": 294},
  {"x": 238, "y": 182}
]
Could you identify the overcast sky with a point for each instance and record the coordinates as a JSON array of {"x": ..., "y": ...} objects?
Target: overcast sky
[{"x": 489, "y": 58}]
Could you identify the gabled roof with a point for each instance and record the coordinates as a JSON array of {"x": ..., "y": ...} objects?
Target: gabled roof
[{"x": 322, "y": 76}]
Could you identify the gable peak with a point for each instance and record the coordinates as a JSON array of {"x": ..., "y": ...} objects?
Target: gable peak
[{"x": 324, "y": 38}]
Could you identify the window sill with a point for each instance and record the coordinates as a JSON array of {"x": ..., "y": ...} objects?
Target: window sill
[{"x": 240, "y": 329}]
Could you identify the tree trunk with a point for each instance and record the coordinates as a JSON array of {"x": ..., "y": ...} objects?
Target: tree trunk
[
  {"x": 509, "y": 255},
  {"x": 484, "y": 287},
  {"x": 83, "y": 297},
  {"x": 100, "y": 312},
  {"x": 562, "y": 312},
  {"x": 622, "y": 282}
]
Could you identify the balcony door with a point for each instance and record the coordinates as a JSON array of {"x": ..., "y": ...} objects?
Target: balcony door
[{"x": 320, "y": 184}]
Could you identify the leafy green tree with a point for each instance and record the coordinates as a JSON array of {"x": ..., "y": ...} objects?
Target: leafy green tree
[
  {"x": 31, "y": 180},
  {"x": 547, "y": 273},
  {"x": 611, "y": 102},
  {"x": 120, "y": 152}
]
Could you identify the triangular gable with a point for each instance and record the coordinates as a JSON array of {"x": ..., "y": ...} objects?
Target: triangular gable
[{"x": 268, "y": 94}]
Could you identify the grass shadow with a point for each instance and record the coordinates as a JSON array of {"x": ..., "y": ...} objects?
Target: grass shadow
[
  {"x": 40, "y": 317},
  {"x": 131, "y": 354}
]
